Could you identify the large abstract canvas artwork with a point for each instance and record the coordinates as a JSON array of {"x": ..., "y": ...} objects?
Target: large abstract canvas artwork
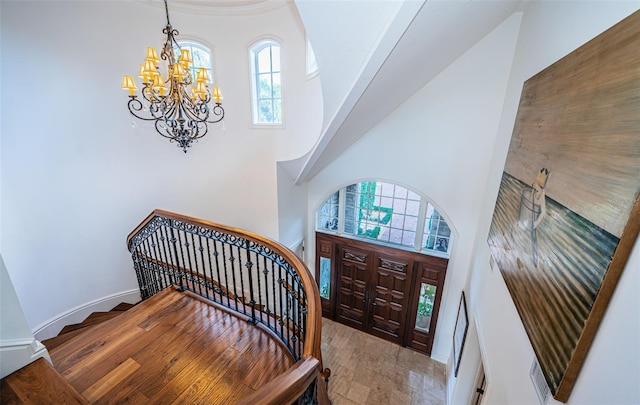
[{"x": 567, "y": 213}]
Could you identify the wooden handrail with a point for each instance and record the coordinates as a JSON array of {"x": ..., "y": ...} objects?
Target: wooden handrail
[
  {"x": 312, "y": 341},
  {"x": 287, "y": 387}
]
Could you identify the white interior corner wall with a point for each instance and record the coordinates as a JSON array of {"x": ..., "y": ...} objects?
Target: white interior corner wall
[
  {"x": 292, "y": 203},
  {"x": 77, "y": 177},
  {"x": 356, "y": 27},
  {"x": 549, "y": 31},
  {"x": 439, "y": 143},
  {"x": 18, "y": 347}
]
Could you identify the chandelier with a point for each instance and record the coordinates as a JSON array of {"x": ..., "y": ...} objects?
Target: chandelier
[{"x": 180, "y": 106}]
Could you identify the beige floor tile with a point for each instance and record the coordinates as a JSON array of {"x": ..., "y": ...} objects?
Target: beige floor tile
[
  {"x": 367, "y": 370},
  {"x": 358, "y": 393},
  {"x": 342, "y": 400},
  {"x": 398, "y": 397},
  {"x": 426, "y": 397}
]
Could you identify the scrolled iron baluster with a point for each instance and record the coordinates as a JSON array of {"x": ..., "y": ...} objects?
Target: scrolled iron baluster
[
  {"x": 252, "y": 301},
  {"x": 216, "y": 255},
  {"x": 226, "y": 274},
  {"x": 176, "y": 264},
  {"x": 232, "y": 259}
]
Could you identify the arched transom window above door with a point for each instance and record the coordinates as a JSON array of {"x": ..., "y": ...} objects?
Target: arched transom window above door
[{"x": 386, "y": 213}]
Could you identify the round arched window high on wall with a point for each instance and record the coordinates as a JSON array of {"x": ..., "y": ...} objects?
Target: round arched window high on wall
[
  {"x": 201, "y": 58},
  {"x": 387, "y": 213}
]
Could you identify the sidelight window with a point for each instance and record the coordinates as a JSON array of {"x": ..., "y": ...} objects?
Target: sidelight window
[
  {"x": 325, "y": 277},
  {"x": 387, "y": 213},
  {"x": 425, "y": 306}
]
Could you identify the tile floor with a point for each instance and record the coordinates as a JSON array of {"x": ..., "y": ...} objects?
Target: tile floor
[{"x": 367, "y": 370}]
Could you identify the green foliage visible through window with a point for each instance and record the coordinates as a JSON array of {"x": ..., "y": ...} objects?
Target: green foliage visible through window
[
  {"x": 325, "y": 277},
  {"x": 201, "y": 56},
  {"x": 427, "y": 295},
  {"x": 425, "y": 306},
  {"x": 385, "y": 212}
]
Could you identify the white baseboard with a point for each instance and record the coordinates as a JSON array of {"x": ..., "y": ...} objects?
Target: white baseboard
[
  {"x": 78, "y": 314},
  {"x": 298, "y": 248},
  {"x": 440, "y": 357},
  {"x": 17, "y": 353}
]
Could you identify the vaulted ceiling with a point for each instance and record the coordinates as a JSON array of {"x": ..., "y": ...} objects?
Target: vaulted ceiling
[{"x": 419, "y": 41}]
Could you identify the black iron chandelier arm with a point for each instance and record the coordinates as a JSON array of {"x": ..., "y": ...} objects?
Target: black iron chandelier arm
[
  {"x": 196, "y": 110},
  {"x": 164, "y": 130},
  {"x": 198, "y": 129},
  {"x": 216, "y": 111},
  {"x": 134, "y": 106}
]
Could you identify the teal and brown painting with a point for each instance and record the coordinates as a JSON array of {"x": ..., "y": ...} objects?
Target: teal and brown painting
[{"x": 566, "y": 215}]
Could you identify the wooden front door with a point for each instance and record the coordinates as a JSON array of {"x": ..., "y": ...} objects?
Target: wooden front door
[{"x": 377, "y": 289}]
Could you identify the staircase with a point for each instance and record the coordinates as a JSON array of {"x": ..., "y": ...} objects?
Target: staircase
[
  {"x": 71, "y": 331},
  {"x": 39, "y": 383}
]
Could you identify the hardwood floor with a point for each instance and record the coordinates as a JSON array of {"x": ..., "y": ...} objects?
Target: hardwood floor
[
  {"x": 367, "y": 370},
  {"x": 189, "y": 352},
  {"x": 185, "y": 352}
]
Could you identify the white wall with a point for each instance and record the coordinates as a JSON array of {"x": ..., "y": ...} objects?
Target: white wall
[
  {"x": 292, "y": 203},
  {"x": 76, "y": 177},
  {"x": 18, "y": 347},
  {"x": 358, "y": 27},
  {"x": 439, "y": 144},
  {"x": 549, "y": 31}
]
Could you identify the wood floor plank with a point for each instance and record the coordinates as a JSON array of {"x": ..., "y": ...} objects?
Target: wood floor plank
[
  {"x": 85, "y": 359},
  {"x": 207, "y": 384},
  {"x": 174, "y": 327},
  {"x": 111, "y": 380},
  {"x": 39, "y": 383},
  {"x": 103, "y": 340},
  {"x": 197, "y": 364},
  {"x": 7, "y": 395},
  {"x": 104, "y": 364},
  {"x": 180, "y": 346},
  {"x": 113, "y": 327},
  {"x": 264, "y": 368},
  {"x": 161, "y": 313}
]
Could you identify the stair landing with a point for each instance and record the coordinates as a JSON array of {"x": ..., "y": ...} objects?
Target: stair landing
[{"x": 171, "y": 348}]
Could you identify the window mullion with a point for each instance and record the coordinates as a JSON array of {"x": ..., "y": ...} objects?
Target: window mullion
[
  {"x": 422, "y": 214},
  {"x": 342, "y": 198}
]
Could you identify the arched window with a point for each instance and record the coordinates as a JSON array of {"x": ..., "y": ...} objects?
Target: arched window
[
  {"x": 201, "y": 56},
  {"x": 266, "y": 83},
  {"x": 387, "y": 213}
]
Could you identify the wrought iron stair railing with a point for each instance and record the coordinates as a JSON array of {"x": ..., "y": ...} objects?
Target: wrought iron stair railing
[{"x": 252, "y": 275}]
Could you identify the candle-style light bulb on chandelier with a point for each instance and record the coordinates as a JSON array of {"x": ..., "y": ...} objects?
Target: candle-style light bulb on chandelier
[{"x": 180, "y": 106}]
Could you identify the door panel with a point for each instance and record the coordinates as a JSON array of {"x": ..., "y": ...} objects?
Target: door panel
[
  {"x": 353, "y": 280},
  {"x": 389, "y": 298}
]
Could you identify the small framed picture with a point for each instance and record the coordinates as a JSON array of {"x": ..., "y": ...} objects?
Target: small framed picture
[{"x": 460, "y": 334}]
